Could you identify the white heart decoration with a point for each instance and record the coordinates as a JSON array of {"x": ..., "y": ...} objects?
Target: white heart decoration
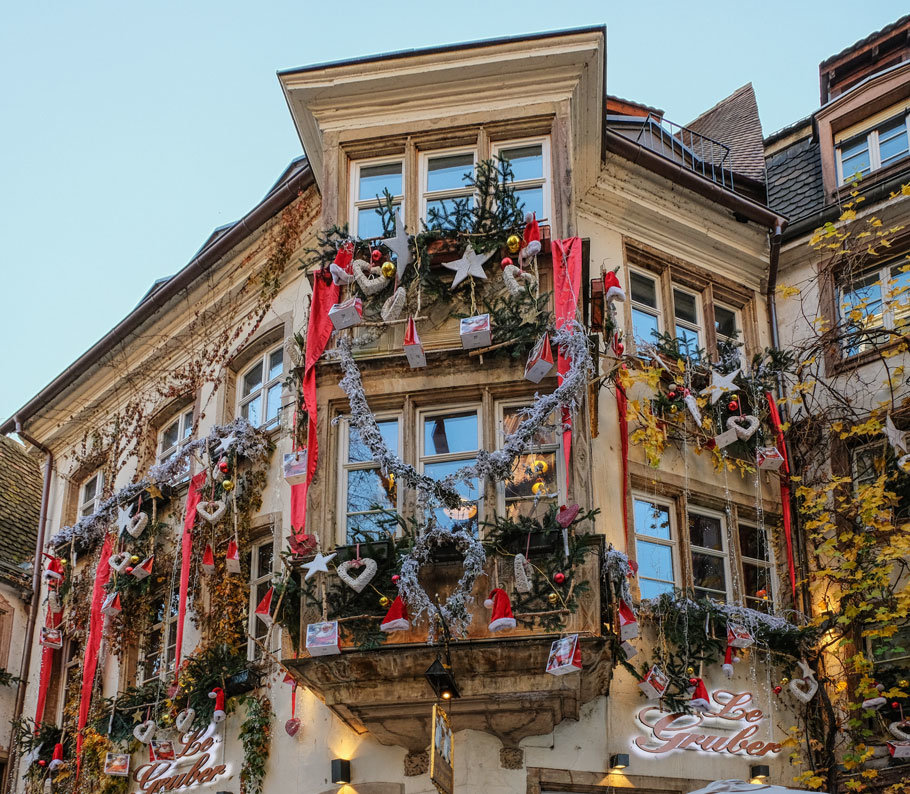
[
  {"x": 903, "y": 462},
  {"x": 804, "y": 689},
  {"x": 393, "y": 305},
  {"x": 185, "y": 719},
  {"x": 145, "y": 731},
  {"x": 743, "y": 431},
  {"x": 212, "y": 511},
  {"x": 369, "y": 286},
  {"x": 896, "y": 729},
  {"x": 523, "y": 574},
  {"x": 137, "y": 523},
  {"x": 118, "y": 562},
  {"x": 357, "y": 583}
]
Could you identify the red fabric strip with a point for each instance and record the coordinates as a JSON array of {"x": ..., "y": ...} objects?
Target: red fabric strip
[
  {"x": 47, "y": 663},
  {"x": 786, "y": 517},
  {"x": 622, "y": 410},
  {"x": 193, "y": 497}
]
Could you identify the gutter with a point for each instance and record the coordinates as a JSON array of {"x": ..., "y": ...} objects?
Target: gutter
[{"x": 273, "y": 203}]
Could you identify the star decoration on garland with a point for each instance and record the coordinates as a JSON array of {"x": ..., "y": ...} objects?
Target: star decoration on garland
[
  {"x": 895, "y": 437},
  {"x": 124, "y": 518},
  {"x": 225, "y": 444},
  {"x": 720, "y": 385},
  {"x": 398, "y": 245},
  {"x": 470, "y": 264},
  {"x": 319, "y": 564}
]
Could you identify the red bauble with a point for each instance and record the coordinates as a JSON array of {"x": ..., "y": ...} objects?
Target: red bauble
[
  {"x": 777, "y": 690},
  {"x": 733, "y": 405},
  {"x": 42, "y": 762},
  {"x": 506, "y": 261},
  {"x": 223, "y": 466},
  {"x": 559, "y": 577},
  {"x": 693, "y": 681},
  {"x": 895, "y": 705},
  {"x": 129, "y": 569},
  {"x": 686, "y": 392},
  {"x": 396, "y": 579},
  {"x": 671, "y": 395},
  {"x": 376, "y": 255}
]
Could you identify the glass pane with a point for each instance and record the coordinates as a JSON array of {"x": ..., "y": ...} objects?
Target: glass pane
[
  {"x": 170, "y": 436},
  {"x": 526, "y": 161},
  {"x": 443, "y": 206},
  {"x": 276, "y": 363},
  {"x": 449, "y": 172},
  {"x": 252, "y": 380},
  {"x": 187, "y": 424},
  {"x": 363, "y": 526},
  {"x": 251, "y": 411},
  {"x": 512, "y": 417},
  {"x": 708, "y": 573},
  {"x": 725, "y": 322},
  {"x": 538, "y": 467},
  {"x": 652, "y": 519},
  {"x": 868, "y": 464},
  {"x": 687, "y": 341},
  {"x": 369, "y": 490},
  {"x": 357, "y": 450},
  {"x": 466, "y": 515},
  {"x": 450, "y": 433},
  {"x": 861, "y": 309},
  {"x": 757, "y": 581},
  {"x": 273, "y": 403},
  {"x": 652, "y": 589},
  {"x": 706, "y": 531},
  {"x": 264, "y": 563},
  {"x": 644, "y": 326},
  {"x": 684, "y": 307},
  {"x": 855, "y": 158},
  {"x": 369, "y": 223},
  {"x": 899, "y": 295},
  {"x": 892, "y": 140},
  {"x": 530, "y": 508},
  {"x": 753, "y": 542},
  {"x": 90, "y": 489},
  {"x": 375, "y": 178},
  {"x": 655, "y": 561},
  {"x": 644, "y": 289},
  {"x": 530, "y": 199}
]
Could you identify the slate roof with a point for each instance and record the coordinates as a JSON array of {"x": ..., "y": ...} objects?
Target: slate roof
[
  {"x": 20, "y": 504},
  {"x": 866, "y": 40},
  {"x": 734, "y": 122},
  {"x": 795, "y": 187}
]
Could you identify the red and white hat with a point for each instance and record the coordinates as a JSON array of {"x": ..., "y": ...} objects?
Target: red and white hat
[
  {"x": 502, "y": 618},
  {"x": 208, "y": 559},
  {"x": 57, "y": 759},
  {"x": 217, "y": 694},
  {"x": 340, "y": 269},
  {"x": 699, "y": 700},
  {"x": 729, "y": 658},
  {"x": 54, "y": 572},
  {"x": 530, "y": 242},
  {"x": 232, "y": 557},
  {"x": 396, "y": 618},
  {"x": 613, "y": 291}
]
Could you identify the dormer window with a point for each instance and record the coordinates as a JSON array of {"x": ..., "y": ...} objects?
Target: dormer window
[
  {"x": 369, "y": 180},
  {"x": 873, "y": 149}
]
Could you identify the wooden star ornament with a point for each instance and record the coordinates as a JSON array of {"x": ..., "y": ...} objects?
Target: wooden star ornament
[
  {"x": 470, "y": 264},
  {"x": 124, "y": 518},
  {"x": 319, "y": 564},
  {"x": 720, "y": 385},
  {"x": 895, "y": 437},
  {"x": 398, "y": 245}
]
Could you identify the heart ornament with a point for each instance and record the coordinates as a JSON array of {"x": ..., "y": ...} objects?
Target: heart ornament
[
  {"x": 566, "y": 515},
  {"x": 897, "y": 730},
  {"x": 357, "y": 583},
  {"x": 145, "y": 731},
  {"x": 137, "y": 523},
  {"x": 743, "y": 426},
  {"x": 185, "y": 719},
  {"x": 292, "y": 726},
  {"x": 804, "y": 689},
  {"x": 212, "y": 511},
  {"x": 118, "y": 562}
]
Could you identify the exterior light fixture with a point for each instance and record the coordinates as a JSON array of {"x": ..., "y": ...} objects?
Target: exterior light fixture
[
  {"x": 341, "y": 770},
  {"x": 440, "y": 678},
  {"x": 759, "y": 773},
  {"x": 619, "y": 761}
]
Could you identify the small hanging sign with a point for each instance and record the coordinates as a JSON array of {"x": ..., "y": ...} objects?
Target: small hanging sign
[{"x": 442, "y": 759}]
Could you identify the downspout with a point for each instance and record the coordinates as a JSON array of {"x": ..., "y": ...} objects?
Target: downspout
[{"x": 37, "y": 567}]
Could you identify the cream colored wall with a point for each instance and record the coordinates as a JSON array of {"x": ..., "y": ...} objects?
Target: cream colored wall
[{"x": 11, "y": 663}]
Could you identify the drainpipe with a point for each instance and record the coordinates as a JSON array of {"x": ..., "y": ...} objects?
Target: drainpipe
[{"x": 37, "y": 566}]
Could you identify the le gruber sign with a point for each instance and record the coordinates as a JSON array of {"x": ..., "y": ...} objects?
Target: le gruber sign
[
  {"x": 192, "y": 766},
  {"x": 737, "y": 717}
]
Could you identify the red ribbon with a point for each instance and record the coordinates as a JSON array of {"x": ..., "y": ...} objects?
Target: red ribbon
[
  {"x": 319, "y": 331},
  {"x": 784, "y": 488},
  {"x": 622, "y": 410},
  {"x": 193, "y": 498},
  {"x": 47, "y": 663}
]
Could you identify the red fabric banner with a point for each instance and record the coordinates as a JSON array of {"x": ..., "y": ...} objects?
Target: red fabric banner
[
  {"x": 566, "y": 289},
  {"x": 786, "y": 516},
  {"x": 47, "y": 663},
  {"x": 319, "y": 331},
  {"x": 622, "y": 410},
  {"x": 193, "y": 497},
  {"x": 93, "y": 643}
]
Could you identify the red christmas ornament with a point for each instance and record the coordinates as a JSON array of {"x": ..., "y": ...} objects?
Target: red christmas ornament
[
  {"x": 671, "y": 395},
  {"x": 559, "y": 577},
  {"x": 376, "y": 255},
  {"x": 777, "y": 690},
  {"x": 129, "y": 569},
  {"x": 686, "y": 392},
  {"x": 506, "y": 261},
  {"x": 42, "y": 762},
  {"x": 693, "y": 681},
  {"x": 895, "y": 705},
  {"x": 396, "y": 579},
  {"x": 733, "y": 405},
  {"x": 223, "y": 466}
]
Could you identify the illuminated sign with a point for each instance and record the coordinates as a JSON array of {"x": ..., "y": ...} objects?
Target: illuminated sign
[
  {"x": 192, "y": 766},
  {"x": 737, "y": 718}
]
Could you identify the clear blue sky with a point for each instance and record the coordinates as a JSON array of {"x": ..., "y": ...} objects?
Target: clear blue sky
[{"x": 131, "y": 129}]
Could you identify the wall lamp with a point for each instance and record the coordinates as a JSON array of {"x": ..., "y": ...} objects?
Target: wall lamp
[
  {"x": 619, "y": 761},
  {"x": 440, "y": 678},
  {"x": 759, "y": 773},
  {"x": 341, "y": 770}
]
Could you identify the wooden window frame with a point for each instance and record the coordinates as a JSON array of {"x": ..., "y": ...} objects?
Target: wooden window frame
[
  {"x": 674, "y": 541},
  {"x": 84, "y": 503},
  {"x": 253, "y": 652},
  {"x": 355, "y": 204},
  {"x": 546, "y": 181},
  {"x": 724, "y": 554},
  {"x": 261, "y": 393},
  {"x": 168, "y": 621},
  {"x": 423, "y": 169},
  {"x": 873, "y": 147},
  {"x": 770, "y": 563}
]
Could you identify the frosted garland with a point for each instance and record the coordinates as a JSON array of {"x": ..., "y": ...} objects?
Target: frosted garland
[
  {"x": 752, "y": 619},
  {"x": 616, "y": 571},
  {"x": 239, "y": 437}
]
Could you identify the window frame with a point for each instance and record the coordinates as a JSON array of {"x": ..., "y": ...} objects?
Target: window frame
[
  {"x": 724, "y": 554},
  {"x": 425, "y": 196},
  {"x": 356, "y": 204},
  {"x": 184, "y": 433},
  {"x": 545, "y": 181},
  {"x": 656, "y": 311},
  {"x": 885, "y": 279},
  {"x": 261, "y": 392},
  {"x": 699, "y": 326},
  {"x": 167, "y": 622},
  {"x": 86, "y": 506},
  {"x": 253, "y": 625},
  {"x": 673, "y": 542},
  {"x": 770, "y": 564},
  {"x": 345, "y": 466},
  {"x": 872, "y": 146}
]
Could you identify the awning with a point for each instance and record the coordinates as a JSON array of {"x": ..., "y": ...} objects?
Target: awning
[{"x": 741, "y": 787}]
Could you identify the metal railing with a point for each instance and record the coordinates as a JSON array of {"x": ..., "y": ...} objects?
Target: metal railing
[{"x": 688, "y": 148}]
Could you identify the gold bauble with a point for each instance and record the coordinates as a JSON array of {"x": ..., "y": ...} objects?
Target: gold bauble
[
  {"x": 513, "y": 243},
  {"x": 134, "y": 559},
  {"x": 540, "y": 466},
  {"x": 227, "y": 485},
  {"x": 538, "y": 487},
  {"x": 903, "y": 684},
  {"x": 553, "y": 598},
  {"x": 690, "y": 671},
  {"x": 784, "y": 681},
  {"x": 384, "y": 601},
  {"x": 388, "y": 269}
]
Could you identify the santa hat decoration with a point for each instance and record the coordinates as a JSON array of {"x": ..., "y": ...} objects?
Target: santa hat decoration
[
  {"x": 57, "y": 759},
  {"x": 612, "y": 288},
  {"x": 145, "y": 568},
  {"x": 208, "y": 559},
  {"x": 530, "y": 242},
  {"x": 396, "y": 618},
  {"x": 729, "y": 658},
  {"x": 628, "y": 623},
  {"x": 54, "y": 572},
  {"x": 875, "y": 702},
  {"x": 699, "y": 700},
  {"x": 232, "y": 558},
  {"x": 264, "y": 610},
  {"x": 217, "y": 694},
  {"x": 341, "y": 268},
  {"x": 502, "y": 618}
]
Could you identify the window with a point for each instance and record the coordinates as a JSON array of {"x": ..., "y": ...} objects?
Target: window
[
  {"x": 260, "y": 391},
  {"x": 655, "y": 547},
  {"x": 874, "y": 149},
  {"x": 877, "y": 300},
  {"x": 450, "y": 440},
  {"x": 445, "y": 182},
  {"x": 159, "y": 645},
  {"x": 727, "y": 329},
  {"x": 72, "y": 668},
  {"x": 369, "y": 180},
  {"x": 708, "y": 547},
  {"x": 867, "y": 465},
  {"x": 645, "y": 308},
  {"x": 530, "y": 161},
  {"x": 364, "y": 490},
  {"x": 688, "y": 322},
  {"x": 261, "y": 562},
  {"x": 90, "y": 494},
  {"x": 758, "y": 567},
  {"x": 171, "y": 440},
  {"x": 537, "y": 469}
]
